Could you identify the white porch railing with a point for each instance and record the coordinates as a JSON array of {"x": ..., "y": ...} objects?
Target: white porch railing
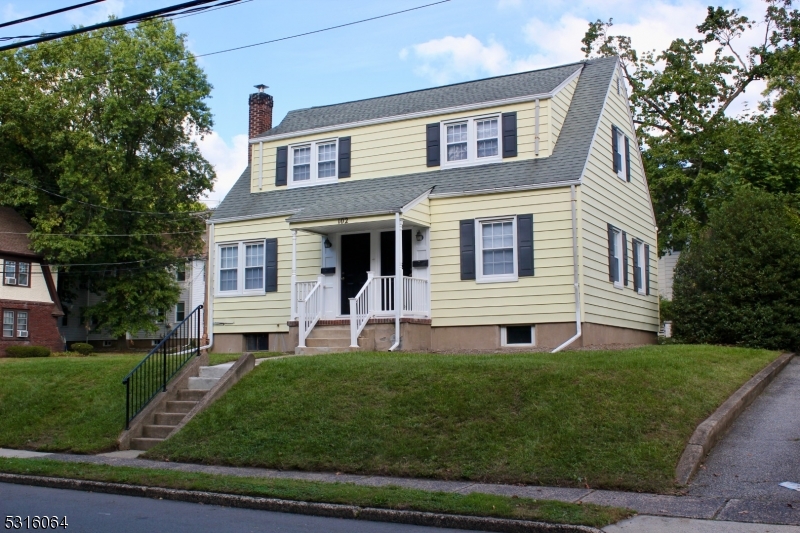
[
  {"x": 310, "y": 307},
  {"x": 377, "y": 298}
]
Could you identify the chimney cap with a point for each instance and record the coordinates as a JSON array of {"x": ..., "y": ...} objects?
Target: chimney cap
[{"x": 261, "y": 87}]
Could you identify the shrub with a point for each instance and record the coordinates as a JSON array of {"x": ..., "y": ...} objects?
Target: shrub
[
  {"x": 739, "y": 280},
  {"x": 27, "y": 351},
  {"x": 82, "y": 348}
]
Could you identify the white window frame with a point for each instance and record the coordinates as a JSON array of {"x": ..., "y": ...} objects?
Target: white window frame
[
  {"x": 618, "y": 255},
  {"x": 504, "y": 338},
  {"x": 495, "y": 278},
  {"x": 13, "y": 314},
  {"x": 639, "y": 251},
  {"x": 622, "y": 172},
  {"x": 176, "y": 312},
  {"x": 240, "y": 268},
  {"x": 472, "y": 142},
  {"x": 314, "y": 163}
]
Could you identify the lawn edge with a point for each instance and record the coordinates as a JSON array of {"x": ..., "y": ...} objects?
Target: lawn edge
[
  {"x": 710, "y": 430},
  {"x": 352, "y": 512}
]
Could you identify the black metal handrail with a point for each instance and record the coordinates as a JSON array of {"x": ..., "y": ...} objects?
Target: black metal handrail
[{"x": 152, "y": 374}]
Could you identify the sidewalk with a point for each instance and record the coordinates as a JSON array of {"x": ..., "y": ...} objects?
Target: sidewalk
[{"x": 704, "y": 507}]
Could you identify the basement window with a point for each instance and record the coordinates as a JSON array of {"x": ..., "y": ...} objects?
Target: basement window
[
  {"x": 517, "y": 336},
  {"x": 256, "y": 342}
]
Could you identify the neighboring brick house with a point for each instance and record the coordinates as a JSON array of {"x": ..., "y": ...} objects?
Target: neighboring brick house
[{"x": 28, "y": 299}]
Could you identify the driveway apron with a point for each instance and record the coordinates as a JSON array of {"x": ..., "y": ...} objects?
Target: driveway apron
[{"x": 761, "y": 450}]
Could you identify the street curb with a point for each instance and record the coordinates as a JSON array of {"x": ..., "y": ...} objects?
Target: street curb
[
  {"x": 329, "y": 510},
  {"x": 712, "y": 428}
]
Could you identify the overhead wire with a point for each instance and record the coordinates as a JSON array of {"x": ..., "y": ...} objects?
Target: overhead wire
[{"x": 49, "y": 13}]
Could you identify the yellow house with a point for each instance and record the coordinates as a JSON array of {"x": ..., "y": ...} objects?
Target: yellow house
[{"x": 508, "y": 212}]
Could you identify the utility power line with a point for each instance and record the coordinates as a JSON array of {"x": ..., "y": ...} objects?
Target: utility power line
[
  {"x": 185, "y": 7},
  {"x": 49, "y": 13},
  {"x": 101, "y": 234}
]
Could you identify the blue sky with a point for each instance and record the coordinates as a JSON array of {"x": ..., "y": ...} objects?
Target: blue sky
[{"x": 451, "y": 42}]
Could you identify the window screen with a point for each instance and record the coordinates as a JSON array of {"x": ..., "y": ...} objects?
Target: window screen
[{"x": 518, "y": 335}]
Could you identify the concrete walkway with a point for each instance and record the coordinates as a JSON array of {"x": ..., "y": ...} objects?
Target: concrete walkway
[
  {"x": 761, "y": 450},
  {"x": 662, "y": 524}
]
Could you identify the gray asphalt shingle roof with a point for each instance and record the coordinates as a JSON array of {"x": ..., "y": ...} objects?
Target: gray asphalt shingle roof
[
  {"x": 471, "y": 92},
  {"x": 386, "y": 195}
]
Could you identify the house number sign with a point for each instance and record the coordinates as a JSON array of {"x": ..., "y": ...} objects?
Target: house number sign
[{"x": 343, "y": 221}]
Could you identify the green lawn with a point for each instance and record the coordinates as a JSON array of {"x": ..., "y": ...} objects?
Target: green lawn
[
  {"x": 610, "y": 419},
  {"x": 342, "y": 493},
  {"x": 72, "y": 404}
]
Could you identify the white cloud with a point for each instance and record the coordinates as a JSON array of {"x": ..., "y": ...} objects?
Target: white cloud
[{"x": 229, "y": 161}]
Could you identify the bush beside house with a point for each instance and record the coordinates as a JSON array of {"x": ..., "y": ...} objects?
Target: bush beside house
[{"x": 27, "y": 351}]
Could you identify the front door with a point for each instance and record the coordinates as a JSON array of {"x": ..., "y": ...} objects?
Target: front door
[{"x": 355, "y": 264}]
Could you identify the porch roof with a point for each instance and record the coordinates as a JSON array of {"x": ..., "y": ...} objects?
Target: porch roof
[{"x": 353, "y": 197}]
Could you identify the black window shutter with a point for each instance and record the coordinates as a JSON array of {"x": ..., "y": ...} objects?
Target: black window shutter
[
  {"x": 637, "y": 278},
  {"x": 344, "y": 157},
  {"x": 432, "y": 144},
  {"x": 614, "y": 150},
  {"x": 510, "y": 135},
  {"x": 612, "y": 268},
  {"x": 647, "y": 269},
  {"x": 467, "y": 238},
  {"x": 624, "y": 258},
  {"x": 281, "y": 161},
  {"x": 525, "y": 245},
  {"x": 627, "y": 159},
  {"x": 271, "y": 265}
]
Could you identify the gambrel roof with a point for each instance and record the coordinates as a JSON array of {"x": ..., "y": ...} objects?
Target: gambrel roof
[{"x": 390, "y": 194}]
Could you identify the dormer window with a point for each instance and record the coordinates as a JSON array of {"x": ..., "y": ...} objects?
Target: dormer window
[
  {"x": 312, "y": 163},
  {"x": 471, "y": 141}
]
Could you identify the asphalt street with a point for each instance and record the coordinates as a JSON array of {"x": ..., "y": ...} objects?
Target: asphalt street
[
  {"x": 761, "y": 450},
  {"x": 89, "y": 512}
]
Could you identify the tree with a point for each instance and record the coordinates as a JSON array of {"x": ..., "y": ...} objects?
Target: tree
[
  {"x": 96, "y": 151},
  {"x": 739, "y": 280},
  {"x": 680, "y": 103}
]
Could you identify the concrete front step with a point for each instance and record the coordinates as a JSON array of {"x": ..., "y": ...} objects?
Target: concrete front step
[
  {"x": 329, "y": 342},
  {"x": 320, "y": 350},
  {"x": 202, "y": 384},
  {"x": 216, "y": 371},
  {"x": 191, "y": 395},
  {"x": 169, "y": 419},
  {"x": 330, "y": 332},
  {"x": 157, "y": 432},
  {"x": 180, "y": 406},
  {"x": 144, "y": 443}
]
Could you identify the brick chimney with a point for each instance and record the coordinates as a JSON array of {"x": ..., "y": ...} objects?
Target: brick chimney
[{"x": 260, "y": 114}]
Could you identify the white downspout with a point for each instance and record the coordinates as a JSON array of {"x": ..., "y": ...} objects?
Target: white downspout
[
  {"x": 536, "y": 129},
  {"x": 293, "y": 288},
  {"x": 575, "y": 274},
  {"x": 210, "y": 289},
  {"x": 398, "y": 278}
]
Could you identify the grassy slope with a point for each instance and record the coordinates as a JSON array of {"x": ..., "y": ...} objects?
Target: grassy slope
[
  {"x": 614, "y": 419},
  {"x": 63, "y": 404},
  {"x": 341, "y": 493}
]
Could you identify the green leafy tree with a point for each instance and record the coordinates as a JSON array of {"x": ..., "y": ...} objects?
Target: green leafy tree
[
  {"x": 96, "y": 139},
  {"x": 739, "y": 280},
  {"x": 680, "y": 102}
]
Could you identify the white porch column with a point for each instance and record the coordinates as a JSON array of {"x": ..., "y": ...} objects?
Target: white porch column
[
  {"x": 398, "y": 278},
  {"x": 293, "y": 293}
]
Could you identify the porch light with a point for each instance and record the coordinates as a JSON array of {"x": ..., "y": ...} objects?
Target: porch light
[
  {"x": 419, "y": 236},
  {"x": 327, "y": 243}
]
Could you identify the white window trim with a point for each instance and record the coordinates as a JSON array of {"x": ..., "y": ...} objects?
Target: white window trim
[
  {"x": 639, "y": 250},
  {"x": 620, "y": 258},
  {"x": 313, "y": 180},
  {"x": 504, "y": 338},
  {"x": 472, "y": 142},
  {"x": 240, "y": 266},
  {"x": 494, "y": 278},
  {"x": 622, "y": 172}
]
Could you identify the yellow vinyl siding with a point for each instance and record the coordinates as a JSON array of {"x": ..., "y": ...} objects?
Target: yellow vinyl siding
[
  {"x": 546, "y": 297},
  {"x": 420, "y": 213},
  {"x": 266, "y": 312},
  {"x": 559, "y": 106},
  {"x": 397, "y": 148},
  {"x": 604, "y": 199}
]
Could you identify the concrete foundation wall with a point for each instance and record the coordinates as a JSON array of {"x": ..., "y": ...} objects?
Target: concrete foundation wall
[{"x": 228, "y": 343}]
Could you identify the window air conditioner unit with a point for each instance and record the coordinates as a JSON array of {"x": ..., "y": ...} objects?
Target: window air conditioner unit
[
  {"x": 11, "y": 281},
  {"x": 22, "y": 333}
]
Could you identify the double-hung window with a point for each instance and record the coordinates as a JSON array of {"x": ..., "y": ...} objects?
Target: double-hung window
[
  {"x": 312, "y": 163},
  {"x": 16, "y": 273},
  {"x": 616, "y": 256},
  {"x": 15, "y": 324},
  {"x": 180, "y": 312},
  {"x": 241, "y": 268},
  {"x": 620, "y": 147},
  {"x": 639, "y": 262},
  {"x": 496, "y": 250},
  {"x": 471, "y": 141}
]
